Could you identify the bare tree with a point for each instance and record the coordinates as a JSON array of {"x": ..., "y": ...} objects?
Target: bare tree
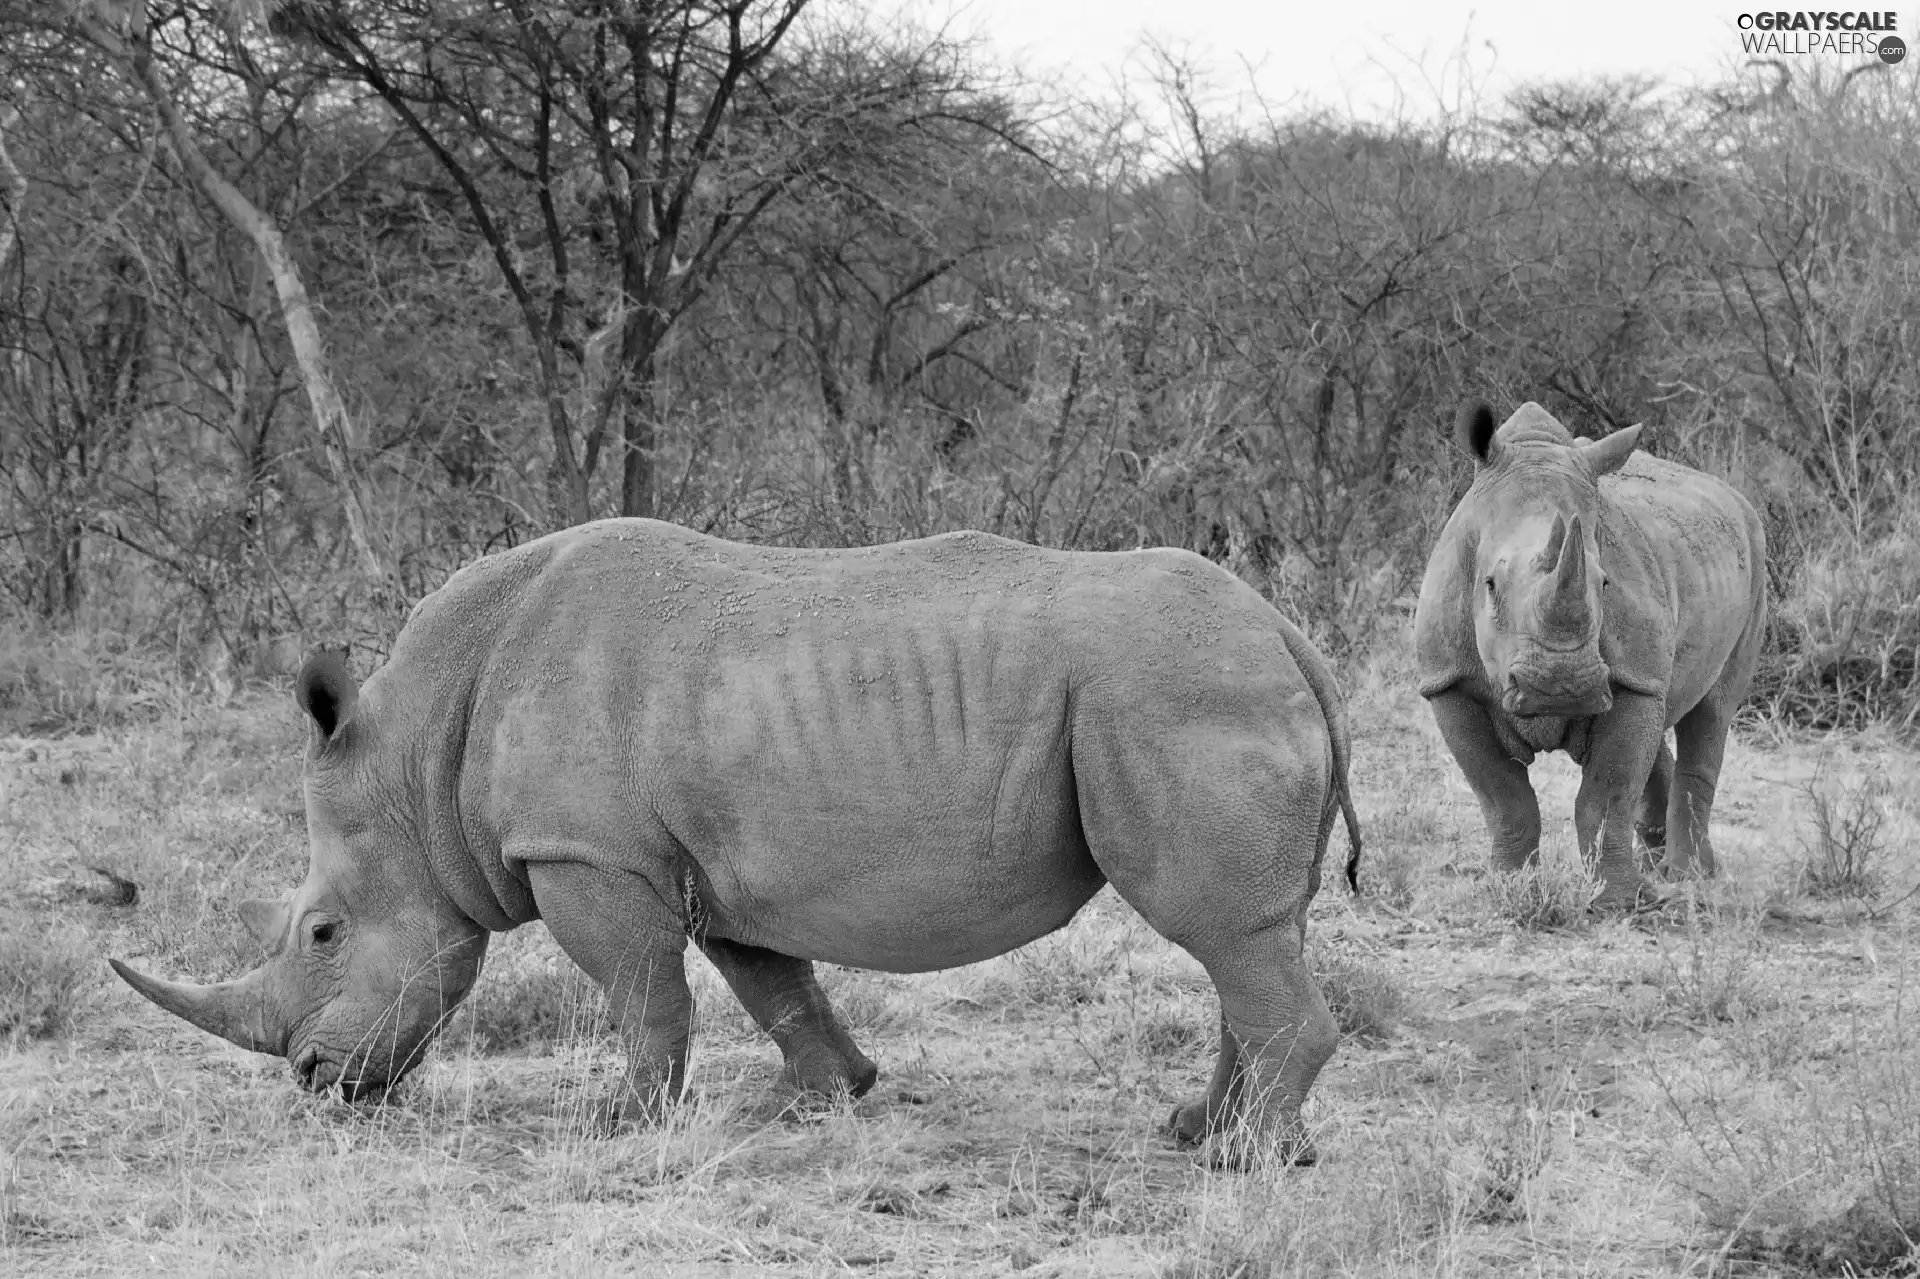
[
  {"x": 652, "y": 137},
  {"x": 128, "y": 39}
]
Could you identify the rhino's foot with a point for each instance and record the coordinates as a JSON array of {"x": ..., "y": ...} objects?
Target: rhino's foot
[
  {"x": 604, "y": 1118},
  {"x": 634, "y": 1107},
  {"x": 1188, "y": 1124},
  {"x": 1639, "y": 897},
  {"x": 1232, "y": 1147},
  {"x": 786, "y": 1104},
  {"x": 831, "y": 1075},
  {"x": 1295, "y": 1150},
  {"x": 1674, "y": 870}
]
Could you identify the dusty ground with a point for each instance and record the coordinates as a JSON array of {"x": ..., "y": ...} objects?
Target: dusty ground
[{"x": 1723, "y": 1089}]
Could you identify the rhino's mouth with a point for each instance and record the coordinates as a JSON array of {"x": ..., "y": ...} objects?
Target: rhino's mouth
[
  {"x": 1558, "y": 692},
  {"x": 1522, "y": 703},
  {"x": 318, "y": 1072}
]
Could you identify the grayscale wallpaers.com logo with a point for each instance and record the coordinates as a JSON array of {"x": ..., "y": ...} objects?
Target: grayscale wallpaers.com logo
[{"x": 1852, "y": 33}]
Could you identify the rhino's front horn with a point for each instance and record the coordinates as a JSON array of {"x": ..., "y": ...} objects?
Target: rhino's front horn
[
  {"x": 1563, "y": 607},
  {"x": 237, "y": 1011}
]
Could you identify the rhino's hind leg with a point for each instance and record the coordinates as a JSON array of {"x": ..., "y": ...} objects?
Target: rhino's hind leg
[
  {"x": 1702, "y": 737},
  {"x": 1213, "y": 832},
  {"x": 785, "y": 1000},
  {"x": 1499, "y": 781},
  {"x": 1276, "y": 1032},
  {"x": 1652, "y": 825},
  {"x": 1194, "y": 1122},
  {"x": 621, "y": 933}
]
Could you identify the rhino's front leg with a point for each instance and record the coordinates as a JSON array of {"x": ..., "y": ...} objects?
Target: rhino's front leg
[
  {"x": 1613, "y": 780},
  {"x": 1499, "y": 781},
  {"x": 625, "y": 936},
  {"x": 785, "y": 1000}
]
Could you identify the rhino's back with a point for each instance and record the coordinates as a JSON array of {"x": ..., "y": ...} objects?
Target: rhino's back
[
  {"x": 1691, "y": 555},
  {"x": 704, "y": 605},
  {"x": 1690, "y": 589},
  {"x": 1694, "y": 514},
  {"x": 893, "y": 719}
]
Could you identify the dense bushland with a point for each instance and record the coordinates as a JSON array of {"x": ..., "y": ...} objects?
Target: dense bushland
[{"x": 775, "y": 272}]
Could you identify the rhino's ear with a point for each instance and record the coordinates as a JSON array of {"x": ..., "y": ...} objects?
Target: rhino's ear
[
  {"x": 326, "y": 691},
  {"x": 1473, "y": 431},
  {"x": 1608, "y": 455},
  {"x": 266, "y": 920}
]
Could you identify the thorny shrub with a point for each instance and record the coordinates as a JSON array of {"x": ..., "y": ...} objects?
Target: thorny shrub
[{"x": 1842, "y": 846}]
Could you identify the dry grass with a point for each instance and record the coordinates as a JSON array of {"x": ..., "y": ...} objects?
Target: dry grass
[
  {"x": 42, "y": 971},
  {"x": 1551, "y": 895},
  {"x": 59, "y": 681},
  {"x": 1725, "y": 1088},
  {"x": 1365, "y": 998}
]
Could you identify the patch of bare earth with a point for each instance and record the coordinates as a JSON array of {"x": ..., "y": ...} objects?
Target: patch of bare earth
[{"x": 1722, "y": 1088}]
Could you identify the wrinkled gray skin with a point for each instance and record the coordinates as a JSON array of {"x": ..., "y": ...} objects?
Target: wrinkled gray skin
[
  {"x": 1586, "y": 598},
  {"x": 901, "y": 757}
]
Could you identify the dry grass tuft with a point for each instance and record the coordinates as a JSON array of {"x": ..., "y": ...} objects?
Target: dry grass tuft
[
  {"x": 1828, "y": 1184},
  {"x": 1713, "y": 975},
  {"x": 1389, "y": 875},
  {"x": 1845, "y": 649},
  {"x": 1551, "y": 895},
  {"x": 64, "y": 681},
  {"x": 1365, "y": 999},
  {"x": 43, "y": 972}
]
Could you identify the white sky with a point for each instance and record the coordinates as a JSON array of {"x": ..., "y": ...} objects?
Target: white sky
[{"x": 1349, "y": 55}]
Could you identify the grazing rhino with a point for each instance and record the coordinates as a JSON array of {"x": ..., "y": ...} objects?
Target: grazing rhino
[
  {"x": 1586, "y": 598},
  {"x": 902, "y": 757}
]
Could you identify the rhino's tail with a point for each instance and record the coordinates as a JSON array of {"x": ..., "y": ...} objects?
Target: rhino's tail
[
  {"x": 1337, "y": 730},
  {"x": 1320, "y": 679},
  {"x": 1353, "y": 837}
]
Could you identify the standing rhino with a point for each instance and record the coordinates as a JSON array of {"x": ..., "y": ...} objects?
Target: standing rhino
[
  {"x": 902, "y": 757},
  {"x": 1586, "y": 598}
]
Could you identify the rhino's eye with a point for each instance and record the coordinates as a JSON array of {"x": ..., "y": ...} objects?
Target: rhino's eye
[
  {"x": 1489, "y": 586},
  {"x": 323, "y": 934}
]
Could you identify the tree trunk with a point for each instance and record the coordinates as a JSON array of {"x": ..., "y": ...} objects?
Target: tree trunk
[
  {"x": 61, "y": 584},
  {"x": 16, "y": 188},
  {"x": 639, "y": 375},
  {"x": 567, "y": 500}
]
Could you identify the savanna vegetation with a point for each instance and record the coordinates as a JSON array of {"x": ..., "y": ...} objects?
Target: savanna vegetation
[{"x": 304, "y": 305}]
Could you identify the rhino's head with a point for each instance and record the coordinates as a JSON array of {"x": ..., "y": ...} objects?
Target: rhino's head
[
  {"x": 369, "y": 956},
  {"x": 1539, "y": 587}
]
